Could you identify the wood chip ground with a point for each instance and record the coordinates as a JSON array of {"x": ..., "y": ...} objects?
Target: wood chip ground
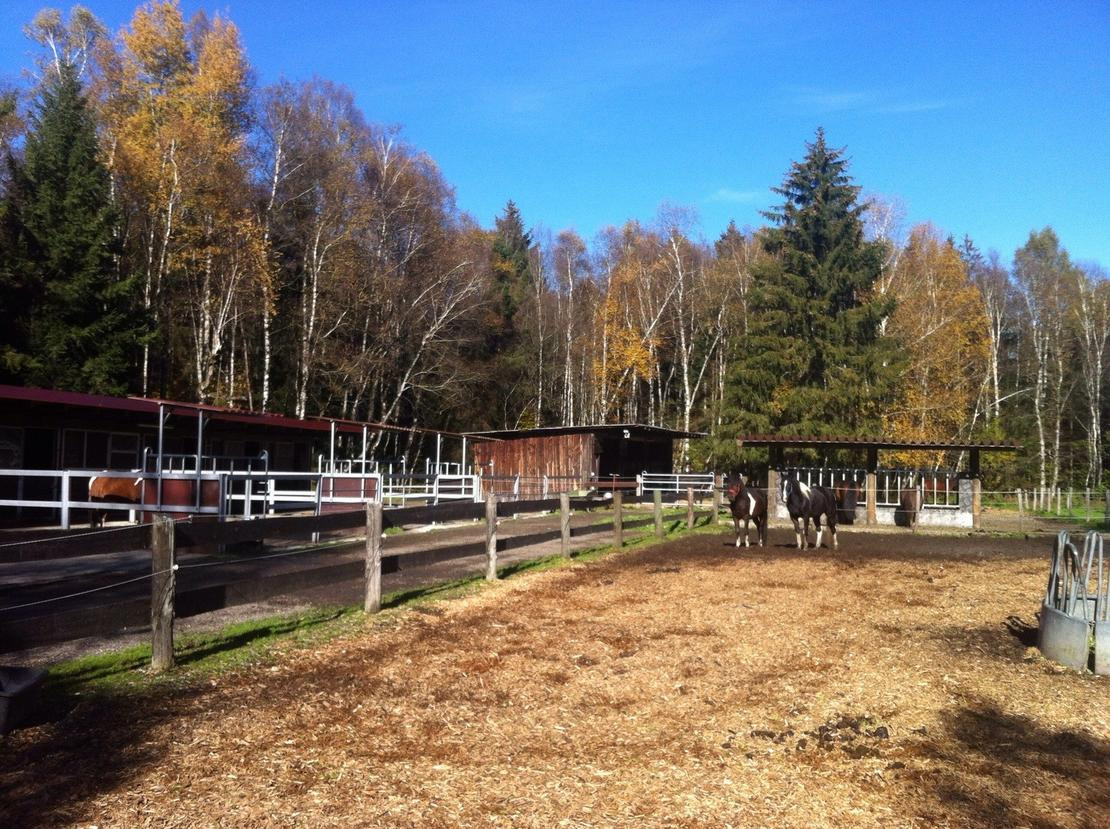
[{"x": 684, "y": 685}]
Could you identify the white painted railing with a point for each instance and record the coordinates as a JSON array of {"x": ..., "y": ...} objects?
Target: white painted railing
[{"x": 677, "y": 482}]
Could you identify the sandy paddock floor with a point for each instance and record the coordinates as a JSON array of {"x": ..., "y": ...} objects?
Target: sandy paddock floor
[{"x": 687, "y": 684}]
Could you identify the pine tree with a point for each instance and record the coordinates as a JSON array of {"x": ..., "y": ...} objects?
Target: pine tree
[
  {"x": 81, "y": 329},
  {"x": 511, "y": 271},
  {"x": 511, "y": 359},
  {"x": 814, "y": 361}
]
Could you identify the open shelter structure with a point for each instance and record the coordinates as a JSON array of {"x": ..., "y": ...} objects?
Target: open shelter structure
[
  {"x": 944, "y": 497},
  {"x": 194, "y": 458}
]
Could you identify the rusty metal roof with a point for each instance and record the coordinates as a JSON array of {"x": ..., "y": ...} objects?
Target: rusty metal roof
[
  {"x": 608, "y": 429},
  {"x": 843, "y": 442},
  {"x": 150, "y": 405}
]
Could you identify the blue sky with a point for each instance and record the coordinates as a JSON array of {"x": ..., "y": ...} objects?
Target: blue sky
[{"x": 990, "y": 119}]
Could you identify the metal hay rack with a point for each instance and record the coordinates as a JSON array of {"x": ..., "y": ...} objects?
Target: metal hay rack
[{"x": 1075, "y": 613}]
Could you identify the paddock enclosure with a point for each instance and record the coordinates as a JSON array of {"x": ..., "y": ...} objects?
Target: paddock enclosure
[{"x": 686, "y": 684}]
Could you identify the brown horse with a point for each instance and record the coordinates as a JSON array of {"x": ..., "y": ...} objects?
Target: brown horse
[
  {"x": 112, "y": 491},
  {"x": 748, "y": 504}
]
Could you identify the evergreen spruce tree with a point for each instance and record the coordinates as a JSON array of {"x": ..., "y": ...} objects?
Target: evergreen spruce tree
[
  {"x": 16, "y": 293},
  {"x": 511, "y": 271},
  {"x": 511, "y": 359},
  {"x": 814, "y": 361},
  {"x": 81, "y": 333}
]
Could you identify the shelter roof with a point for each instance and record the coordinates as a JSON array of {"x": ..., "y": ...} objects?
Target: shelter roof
[
  {"x": 150, "y": 405},
  {"x": 834, "y": 442},
  {"x": 633, "y": 430}
]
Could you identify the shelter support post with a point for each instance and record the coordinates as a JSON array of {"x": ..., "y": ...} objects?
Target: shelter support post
[
  {"x": 657, "y": 503},
  {"x": 871, "y": 498},
  {"x": 200, "y": 454},
  {"x": 772, "y": 495},
  {"x": 690, "y": 509},
  {"x": 976, "y": 503}
]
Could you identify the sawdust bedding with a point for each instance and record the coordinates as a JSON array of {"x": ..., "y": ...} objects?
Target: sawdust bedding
[{"x": 685, "y": 685}]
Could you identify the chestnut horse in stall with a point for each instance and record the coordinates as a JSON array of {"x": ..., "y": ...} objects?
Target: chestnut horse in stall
[
  {"x": 748, "y": 504},
  {"x": 112, "y": 491}
]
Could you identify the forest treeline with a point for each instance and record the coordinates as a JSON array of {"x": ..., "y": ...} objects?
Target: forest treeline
[{"x": 171, "y": 227}]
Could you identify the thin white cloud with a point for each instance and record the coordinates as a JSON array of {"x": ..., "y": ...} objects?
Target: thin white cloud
[
  {"x": 860, "y": 100},
  {"x": 835, "y": 101},
  {"x": 727, "y": 194},
  {"x": 913, "y": 106}
]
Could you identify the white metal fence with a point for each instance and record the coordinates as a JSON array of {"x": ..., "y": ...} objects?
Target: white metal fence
[
  {"x": 937, "y": 489},
  {"x": 676, "y": 482}
]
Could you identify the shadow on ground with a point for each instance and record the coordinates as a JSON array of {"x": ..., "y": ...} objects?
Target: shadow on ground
[{"x": 992, "y": 768}]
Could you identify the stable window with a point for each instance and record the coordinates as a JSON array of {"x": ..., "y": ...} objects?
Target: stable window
[{"x": 83, "y": 449}]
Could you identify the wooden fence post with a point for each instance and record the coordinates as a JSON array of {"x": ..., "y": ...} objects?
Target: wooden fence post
[
  {"x": 162, "y": 586},
  {"x": 564, "y": 523},
  {"x": 491, "y": 537},
  {"x": 657, "y": 503},
  {"x": 714, "y": 517},
  {"x": 689, "y": 509},
  {"x": 372, "y": 602},
  {"x": 618, "y": 518},
  {"x": 1021, "y": 510}
]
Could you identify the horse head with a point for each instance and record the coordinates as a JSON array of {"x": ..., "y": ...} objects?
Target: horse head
[{"x": 735, "y": 488}]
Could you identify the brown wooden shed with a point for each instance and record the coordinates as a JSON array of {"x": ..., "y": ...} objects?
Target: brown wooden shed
[{"x": 623, "y": 450}]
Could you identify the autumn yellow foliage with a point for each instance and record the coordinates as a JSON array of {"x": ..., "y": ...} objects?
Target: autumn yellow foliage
[{"x": 941, "y": 321}]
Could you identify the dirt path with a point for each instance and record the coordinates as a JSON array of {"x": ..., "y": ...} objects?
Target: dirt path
[{"x": 682, "y": 685}]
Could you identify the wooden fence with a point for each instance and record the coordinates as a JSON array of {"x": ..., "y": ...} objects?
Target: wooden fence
[{"x": 36, "y": 623}]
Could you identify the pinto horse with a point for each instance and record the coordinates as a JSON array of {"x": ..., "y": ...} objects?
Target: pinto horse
[
  {"x": 748, "y": 504},
  {"x": 112, "y": 491},
  {"x": 804, "y": 502}
]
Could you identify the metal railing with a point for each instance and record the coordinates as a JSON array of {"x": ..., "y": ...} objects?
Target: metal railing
[
  {"x": 675, "y": 482},
  {"x": 937, "y": 489}
]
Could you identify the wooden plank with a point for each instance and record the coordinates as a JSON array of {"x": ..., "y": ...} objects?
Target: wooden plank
[
  {"x": 205, "y": 533},
  {"x": 414, "y": 516},
  {"x": 507, "y": 509},
  {"x": 76, "y": 544}
]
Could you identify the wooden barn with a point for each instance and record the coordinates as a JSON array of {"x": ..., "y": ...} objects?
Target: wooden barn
[{"x": 582, "y": 452}]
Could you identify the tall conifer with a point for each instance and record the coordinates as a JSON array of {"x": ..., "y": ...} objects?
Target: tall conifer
[
  {"x": 814, "y": 360},
  {"x": 81, "y": 332}
]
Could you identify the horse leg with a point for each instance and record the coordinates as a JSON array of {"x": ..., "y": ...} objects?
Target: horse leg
[
  {"x": 817, "y": 526},
  {"x": 798, "y": 530},
  {"x": 736, "y": 526},
  {"x": 761, "y": 530}
]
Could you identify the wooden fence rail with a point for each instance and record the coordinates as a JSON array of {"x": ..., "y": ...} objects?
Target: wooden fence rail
[{"x": 182, "y": 590}]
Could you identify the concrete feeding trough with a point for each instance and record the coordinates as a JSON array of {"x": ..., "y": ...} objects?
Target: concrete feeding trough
[{"x": 19, "y": 692}]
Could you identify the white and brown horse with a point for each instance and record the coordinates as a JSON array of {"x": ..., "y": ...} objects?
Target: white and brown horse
[
  {"x": 804, "y": 502},
  {"x": 748, "y": 504},
  {"x": 112, "y": 490}
]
